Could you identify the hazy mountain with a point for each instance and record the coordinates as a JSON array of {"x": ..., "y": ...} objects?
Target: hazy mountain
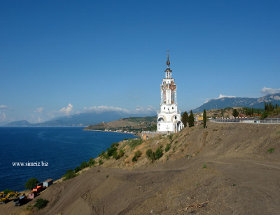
[
  {"x": 84, "y": 119},
  {"x": 224, "y": 102},
  {"x": 21, "y": 123}
]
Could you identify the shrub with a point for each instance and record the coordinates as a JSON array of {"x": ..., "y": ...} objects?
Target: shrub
[
  {"x": 150, "y": 154},
  {"x": 77, "y": 169},
  {"x": 136, "y": 156},
  {"x": 69, "y": 174},
  {"x": 158, "y": 153},
  {"x": 83, "y": 165},
  {"x": 6, "y": 191},
  {"x": 167, "y": 148},
  {"x": 100, "y": 162},
  {"x": 111, "y": 151},
  {"x": 114, "y": 145},
  {"x": 134, "y": 142},
  {"x": 204, "y": 166},
  {"x": 91, "y": 162},
  {"x": 41, "y": 203},
  {"x": 271, "y": 150},
  {"x": 31, "y": 183},
  {"x": 121, "y": 153}
]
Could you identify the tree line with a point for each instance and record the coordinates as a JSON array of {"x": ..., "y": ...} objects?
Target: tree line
[{"x": 188, "y": 120}]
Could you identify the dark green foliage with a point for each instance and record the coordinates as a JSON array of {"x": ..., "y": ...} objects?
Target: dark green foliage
[
  {"x": 270, "y": 110},
  {"x": 271, "y": 150},
  {"x": 185, "y": 118},
  {"x": 114, "y": 145},
  {"x": 191, "y": 119},
  {"x": 84, "y": 164},
  {"x": 41, "y": 203},
  {"x": 103, "y": 155},
  {"x": 158, "y": 153},
  {"x": 111, "y": 151},
  {"x": 69, "y": 174},
  {"x": 118, "y": 155},
  {"x": 251, "y": 111},
  {"x": 91, "y": 162},
  {"x": 167, "y": 148},
  {"x": 31, "y": 183},
  {"x": 204, "y": 118},
  {"x": 204, "y": 166},
  {"x": 77, "y": 169},
  {"x": 134, "y": 142},
  {"x": 100, "y": 162},
  {"x": 155, "y": 155},
  {"x": 137, "y": 155},
  {"x": 6, "y": 191},
  {"x": 150, "y": 154},
  {"x": 235, "y": 113}
]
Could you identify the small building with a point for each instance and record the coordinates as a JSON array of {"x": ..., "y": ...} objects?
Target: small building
[{"x": 48, "y": 183}]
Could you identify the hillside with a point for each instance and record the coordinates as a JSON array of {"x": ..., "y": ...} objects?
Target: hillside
[
  {"x": 224, "y": 169},
  {"x": 135, "y": 124},
  {"x": 224, "y": 102}
]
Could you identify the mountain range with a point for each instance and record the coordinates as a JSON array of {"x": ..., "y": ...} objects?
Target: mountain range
[
  {"x": 90, "y": 118},
  {"x": 224, "y": 101}
]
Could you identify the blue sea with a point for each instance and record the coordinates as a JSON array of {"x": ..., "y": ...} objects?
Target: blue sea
[{"x": 56, "y": 149}]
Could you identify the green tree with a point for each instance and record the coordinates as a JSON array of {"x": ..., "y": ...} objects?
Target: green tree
[
  {"x": 191, "y": 119},
  {"x": 204, "y": 118},
  {"x": 235, "y": 113},
  {"x": 185, "y": 118},
  {"x": 31, "y": 183}
]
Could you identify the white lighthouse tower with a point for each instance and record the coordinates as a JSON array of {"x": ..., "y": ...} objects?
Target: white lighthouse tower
[{"x": 169, "y": 118}]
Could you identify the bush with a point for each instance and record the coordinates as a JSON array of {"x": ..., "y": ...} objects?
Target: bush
[
  {"x": 69, "y": 174},
  {"x": 135, "y": 142},
  {"x": 121, "y": 153},
  {"x": 91, "y": 162},
  {"x": 31, "y": 183},
  {"x": 6, "y": 191},
  {"x": 271, "y": 150},
  {"x": 136, "y": 156},
  {"x": 100, "y": 162},
  {"x": 150, "y": 154},
  {"x": 77, "y": 169},
  {"x": 83, "y": 165},
  {"x": 158, "y": 153},
  {"x": 41, "y": 203},
  {"x": 167, "y": 148}
]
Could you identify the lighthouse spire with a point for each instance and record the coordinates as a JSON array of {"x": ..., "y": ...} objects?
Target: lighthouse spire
[{"x": 168, "y": 61}]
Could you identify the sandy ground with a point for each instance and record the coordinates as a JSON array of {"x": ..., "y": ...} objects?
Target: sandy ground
[{"x": 224, "y": 169}]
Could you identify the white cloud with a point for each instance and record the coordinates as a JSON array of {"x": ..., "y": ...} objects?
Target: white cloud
[
  {"x": 104, "y": 108},
  {"x": 221, "y": 96},
  {"x": 39, "y": 110},
  {"x": 3, "y": 107},
  {"x": 267, "y": 91},
  {"x": 67, "y": 110},
  {"x": 224, "y": 96}
]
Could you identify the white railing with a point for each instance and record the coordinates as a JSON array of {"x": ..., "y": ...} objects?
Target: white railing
[{"x": 248, "y": 120}]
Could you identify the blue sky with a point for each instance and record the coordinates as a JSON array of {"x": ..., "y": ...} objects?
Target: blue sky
[{"x": 108, "y": 54}]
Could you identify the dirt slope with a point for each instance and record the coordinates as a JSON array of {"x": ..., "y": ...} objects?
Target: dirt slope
[{"x": 224, "y": 169}]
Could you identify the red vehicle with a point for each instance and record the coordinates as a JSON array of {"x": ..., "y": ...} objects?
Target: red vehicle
[{"x": 38, "y": 188}]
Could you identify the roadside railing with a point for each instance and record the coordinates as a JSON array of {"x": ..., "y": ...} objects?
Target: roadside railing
[{"x": 248, "y": 120}]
